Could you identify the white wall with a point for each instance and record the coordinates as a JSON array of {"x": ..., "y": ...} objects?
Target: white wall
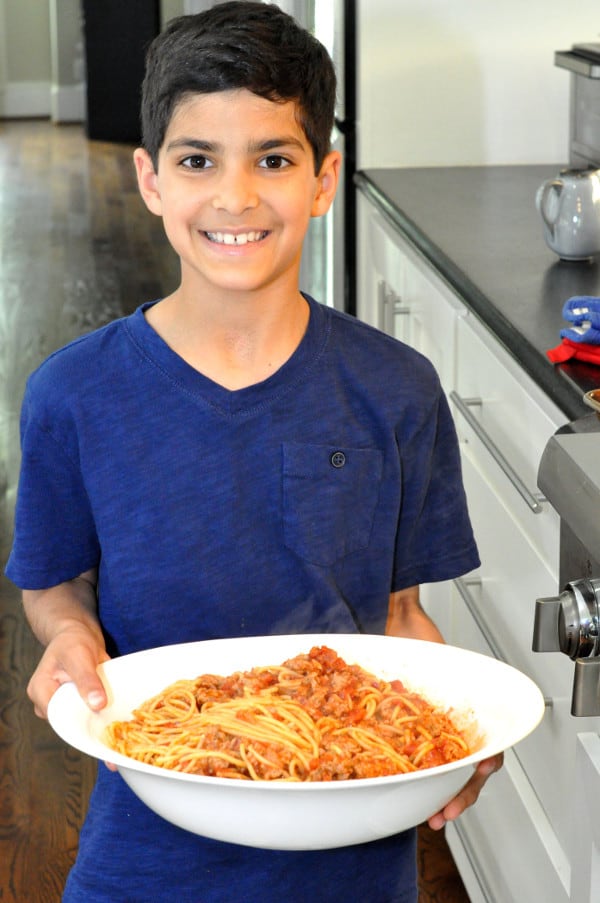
[
  {"x": 24, "y": 57},
  {"x": 466, "y": 82},
  {"x": 67, "y": 94},
  {"x": 42, "y": 69}
]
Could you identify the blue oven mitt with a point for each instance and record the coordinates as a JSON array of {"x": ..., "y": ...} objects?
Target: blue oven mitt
[{"x": 583, "y": 312}]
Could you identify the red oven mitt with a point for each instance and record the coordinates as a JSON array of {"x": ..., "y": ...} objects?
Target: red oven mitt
[{"x": 567, "y": 350}]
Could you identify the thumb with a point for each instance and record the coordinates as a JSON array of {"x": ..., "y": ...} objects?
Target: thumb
[{"x": 89, "y": 685}]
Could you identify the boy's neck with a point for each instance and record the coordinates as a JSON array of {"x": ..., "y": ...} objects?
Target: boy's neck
[{"x": 235, "y": 342}]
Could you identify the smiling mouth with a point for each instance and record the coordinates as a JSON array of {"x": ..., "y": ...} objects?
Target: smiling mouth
[{"x": 228, "y": 238}]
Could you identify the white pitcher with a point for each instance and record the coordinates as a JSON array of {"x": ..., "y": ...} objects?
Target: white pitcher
[{"x": 570, "y": 208}]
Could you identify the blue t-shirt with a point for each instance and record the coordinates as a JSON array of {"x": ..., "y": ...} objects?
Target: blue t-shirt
[{"x": 292, "y": 506}]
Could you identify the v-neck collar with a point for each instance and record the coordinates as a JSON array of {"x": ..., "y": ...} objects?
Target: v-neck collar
[{"x": 236, "y": 402}]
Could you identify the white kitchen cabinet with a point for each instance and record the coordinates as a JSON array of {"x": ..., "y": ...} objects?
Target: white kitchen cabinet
[
  {"x": 512, "y": 421},
  {"x": 400, "y": 294},
  {"x": 523, "y": 839}
]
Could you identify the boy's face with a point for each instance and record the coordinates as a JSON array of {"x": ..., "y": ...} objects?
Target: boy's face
[{"x": 236, "y": 189}]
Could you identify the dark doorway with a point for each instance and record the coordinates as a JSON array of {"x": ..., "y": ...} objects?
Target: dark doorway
[{"x": 117, "y": 35}]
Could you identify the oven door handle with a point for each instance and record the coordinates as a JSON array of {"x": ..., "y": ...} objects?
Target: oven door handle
[{"x": 534, "y": 502}]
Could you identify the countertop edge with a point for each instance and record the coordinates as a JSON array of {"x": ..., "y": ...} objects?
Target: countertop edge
[{"x": 554, "y": 384}]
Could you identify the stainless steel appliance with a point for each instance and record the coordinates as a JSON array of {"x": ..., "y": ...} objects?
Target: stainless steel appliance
[
  {"x": 569, "y": 476},
  {"x": 583, "y": 62}
]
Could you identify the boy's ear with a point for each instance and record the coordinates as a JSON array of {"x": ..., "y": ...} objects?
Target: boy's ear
[
  {"x": 147, "y": 180},
  {"x": 327, "y": 183}
]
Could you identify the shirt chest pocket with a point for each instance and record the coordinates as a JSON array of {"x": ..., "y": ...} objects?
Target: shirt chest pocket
[{"x": 329, "y": 499}]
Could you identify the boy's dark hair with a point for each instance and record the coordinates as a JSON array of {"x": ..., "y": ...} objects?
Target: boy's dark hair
[{"x": 240, "y": 44}]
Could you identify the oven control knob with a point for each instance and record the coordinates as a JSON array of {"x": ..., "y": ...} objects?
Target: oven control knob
[
  {"x": 549, "y": 613},
  {"x": 570, "y": 623}
]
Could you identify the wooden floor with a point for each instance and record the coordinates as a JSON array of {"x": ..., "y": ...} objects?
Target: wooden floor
[{"x": 77, "y": 249}]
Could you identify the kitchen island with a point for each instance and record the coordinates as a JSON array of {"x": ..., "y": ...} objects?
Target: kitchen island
[{"x": 479, "y": 228}]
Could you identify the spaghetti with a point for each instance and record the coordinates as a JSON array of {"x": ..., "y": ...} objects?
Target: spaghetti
[{"x": 313, "y": 718}]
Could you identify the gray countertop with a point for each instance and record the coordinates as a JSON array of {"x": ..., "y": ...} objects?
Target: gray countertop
[{"x": 480, "y": 229}]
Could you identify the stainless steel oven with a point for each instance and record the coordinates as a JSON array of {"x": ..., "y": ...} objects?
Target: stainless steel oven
[
  {"x": 569, "y": 623},
  {"x": 569, "y": 477}
]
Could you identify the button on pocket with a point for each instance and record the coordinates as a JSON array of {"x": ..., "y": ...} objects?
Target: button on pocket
[
  {"x": 329, "y": 499},
  {"x": 338, "y": 459}
]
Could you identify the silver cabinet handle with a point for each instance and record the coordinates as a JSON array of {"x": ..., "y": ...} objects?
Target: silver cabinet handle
[
  {"x": 462, "y": 585},
  {"x": 533, "y": 501},
  {"x": 389, "y": 305}
]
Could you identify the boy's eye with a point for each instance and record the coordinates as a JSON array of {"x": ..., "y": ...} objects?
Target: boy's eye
[
  {"x": 196, "y": 161},
  {"x": 274, "y": 161}
]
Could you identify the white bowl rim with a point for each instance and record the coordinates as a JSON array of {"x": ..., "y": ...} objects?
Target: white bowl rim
[{"x": 67, "y": 700}]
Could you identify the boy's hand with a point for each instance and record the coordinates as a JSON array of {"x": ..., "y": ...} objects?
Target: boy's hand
[
  {"x": 469, "y": 794},
  {"x": 407, "y": 618},
  {"x": 73, "y": 654},
  {"x": 64, "y": 619}
]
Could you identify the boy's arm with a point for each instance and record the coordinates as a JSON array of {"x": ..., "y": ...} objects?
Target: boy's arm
[
  {"x": 406, "y": 618},
  {"x": 64, "y": 619}
]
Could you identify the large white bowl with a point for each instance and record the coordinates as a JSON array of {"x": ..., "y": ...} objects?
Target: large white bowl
[{"x": 490, "y": 698}]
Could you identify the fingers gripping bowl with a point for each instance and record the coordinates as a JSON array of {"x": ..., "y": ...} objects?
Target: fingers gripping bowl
[{"x": 492, "y": 702}]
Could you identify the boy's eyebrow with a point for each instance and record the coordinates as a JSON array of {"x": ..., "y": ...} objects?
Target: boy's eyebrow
[
  {"x": 189, "y": 142},
  {"x": 272, "y": 143},
  {"x": 253, "y": 147}
]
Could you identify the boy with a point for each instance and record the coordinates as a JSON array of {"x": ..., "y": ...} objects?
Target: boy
[{"x": 235, "y": 459}]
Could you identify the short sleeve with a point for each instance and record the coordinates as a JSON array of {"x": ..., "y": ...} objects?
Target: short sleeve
[
  {"x": 435, "y": 538},
  {"x": 54, "y": 538}
]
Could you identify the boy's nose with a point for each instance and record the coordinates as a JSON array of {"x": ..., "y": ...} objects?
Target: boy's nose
[{"x": 235, "y": 192}]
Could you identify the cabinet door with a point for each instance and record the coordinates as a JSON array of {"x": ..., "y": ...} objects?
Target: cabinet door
[
  {"x": 505, "y": 421},
  {"x": 586, "y": 834},
  {"x": 432, "y": 311},
  {"x": 399, "y": 293},
  {"x": 380, "y": 285},
  {"x": 504, "y": 847}
]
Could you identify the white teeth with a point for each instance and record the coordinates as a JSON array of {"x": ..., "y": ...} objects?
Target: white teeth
[{"x": 227, "y": 238}]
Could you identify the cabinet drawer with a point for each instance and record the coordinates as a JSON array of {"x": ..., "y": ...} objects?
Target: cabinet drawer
[
  {"x": 506, "y": 840},
  {"x": 513, "y": 410},
  {"x": 505, "y": 421}
]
